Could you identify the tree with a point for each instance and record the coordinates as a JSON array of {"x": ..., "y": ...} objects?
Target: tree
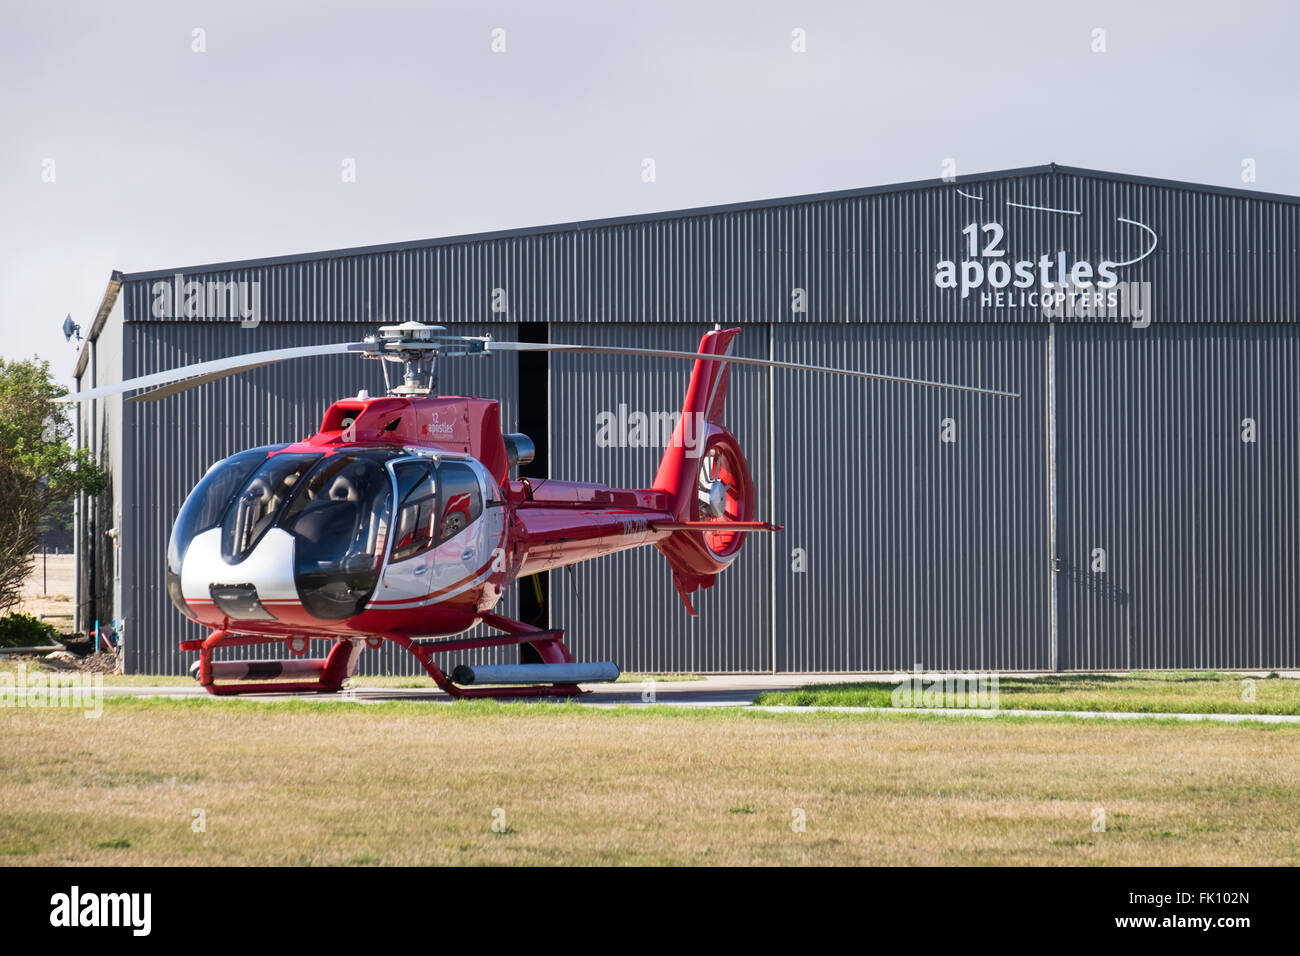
[{"x": 40, "y": 472}]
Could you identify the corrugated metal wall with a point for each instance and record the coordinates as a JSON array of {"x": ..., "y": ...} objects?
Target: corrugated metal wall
[
  {"x": 864, "y": 256},
  {"x": 1279, "y": 496},
  {"x": 915, "y": 550},
  {"x": 900, "y": 547},
  {"x": 1178, "y": 539}
]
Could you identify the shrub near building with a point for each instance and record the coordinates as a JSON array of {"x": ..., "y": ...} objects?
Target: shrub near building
[{"x": 39, "y": 470}]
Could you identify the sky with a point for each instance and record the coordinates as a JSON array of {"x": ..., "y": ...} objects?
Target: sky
[{"x": 139, "y": 136}]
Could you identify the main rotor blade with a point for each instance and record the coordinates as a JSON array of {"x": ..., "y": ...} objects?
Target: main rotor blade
[
  {"x": 191, "y": 376},
  {"x": 495, "y": 346},
  {"x": 184, "y": 385}
]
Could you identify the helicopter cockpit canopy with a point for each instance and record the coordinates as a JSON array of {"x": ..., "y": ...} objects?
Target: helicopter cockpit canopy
[
  {"x": 338, "y": 508},
  {"x": 208, "y": 502}
]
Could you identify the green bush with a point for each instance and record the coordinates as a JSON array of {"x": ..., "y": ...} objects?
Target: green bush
[{"x": 23, "y": 630}]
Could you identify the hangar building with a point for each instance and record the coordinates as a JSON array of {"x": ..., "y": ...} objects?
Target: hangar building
[{"x": 1136, "y": 507}]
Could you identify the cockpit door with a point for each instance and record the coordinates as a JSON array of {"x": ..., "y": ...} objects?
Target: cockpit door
[{"x": 442, "y": 546}]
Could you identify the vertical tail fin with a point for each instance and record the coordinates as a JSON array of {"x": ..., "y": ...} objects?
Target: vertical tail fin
[
  {"x": 706, "y": 396},
  {"x": 702, "y": 456}
]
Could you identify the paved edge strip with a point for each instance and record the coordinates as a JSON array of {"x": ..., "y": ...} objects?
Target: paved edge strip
[
  {"x": 979, "y": 712},
  {"x": 366, "y": 698}
]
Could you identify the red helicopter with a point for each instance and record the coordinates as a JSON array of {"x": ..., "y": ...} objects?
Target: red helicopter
[{"x": 400, "y": 521}]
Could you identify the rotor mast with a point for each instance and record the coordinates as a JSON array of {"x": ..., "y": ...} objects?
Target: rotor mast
[{"x": 416, "y": 347}]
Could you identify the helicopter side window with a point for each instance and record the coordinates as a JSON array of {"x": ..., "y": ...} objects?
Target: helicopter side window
[
  {"x": 460, "y": 500},
  {"x": 418, "y": 496}
]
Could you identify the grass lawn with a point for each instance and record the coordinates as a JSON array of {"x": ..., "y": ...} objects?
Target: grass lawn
[
  {"x": 413, "y": 782},
  {"x": 1193, "y": 692}
]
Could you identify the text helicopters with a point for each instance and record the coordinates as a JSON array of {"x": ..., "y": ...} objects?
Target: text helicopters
[{"x": 399, "y": 520}]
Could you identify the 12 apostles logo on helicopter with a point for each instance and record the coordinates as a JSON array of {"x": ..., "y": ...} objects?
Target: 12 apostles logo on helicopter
[
  {"x": 1054, "y": 281},
  {"x": 436, "y": 428}
]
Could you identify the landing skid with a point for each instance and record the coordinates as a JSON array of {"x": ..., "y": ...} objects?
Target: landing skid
[
  {"x": 548, "y": 644},
  {"x": 330, "y": 672}
]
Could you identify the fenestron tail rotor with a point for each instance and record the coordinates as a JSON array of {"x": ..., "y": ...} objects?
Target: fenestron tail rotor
[
  {"x": 417, "y": 347},
  {"x": 720, "y": 497}
]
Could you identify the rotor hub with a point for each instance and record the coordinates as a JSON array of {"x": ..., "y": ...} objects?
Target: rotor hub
[
  {"x": 715, "y": 499},
  {"x": 416, "y": 346}
]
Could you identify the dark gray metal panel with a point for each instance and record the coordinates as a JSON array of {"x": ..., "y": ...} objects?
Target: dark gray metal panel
[
  {"x": 865, "y": 256},
  {"x": 1199, "y": 527},
  {"x": 977, "y": 179},
  {"x": 169, "y": 444},
  {"x": 915, "y": 550},
  {"x": 1217, "y": 258},
  {"x": 726, "y": 269},
  {"x": 625, "y": 608},
  {"x": 1279, "y": 495}
]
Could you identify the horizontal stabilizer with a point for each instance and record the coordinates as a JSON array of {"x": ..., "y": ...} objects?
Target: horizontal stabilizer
[{"x": 715, "y": 526}]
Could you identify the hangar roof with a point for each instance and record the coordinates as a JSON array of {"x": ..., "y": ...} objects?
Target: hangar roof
[{"x": 711, "y": 210}]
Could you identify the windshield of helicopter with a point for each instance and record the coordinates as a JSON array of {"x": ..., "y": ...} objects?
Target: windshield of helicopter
[
  {"x": 256, "y": 507},
  {"x": 337, "y": 508},
  {"x": 339, "y": 519},
  {"x": 207, "y": 503},
  {"x": 205, "y": 508}
]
